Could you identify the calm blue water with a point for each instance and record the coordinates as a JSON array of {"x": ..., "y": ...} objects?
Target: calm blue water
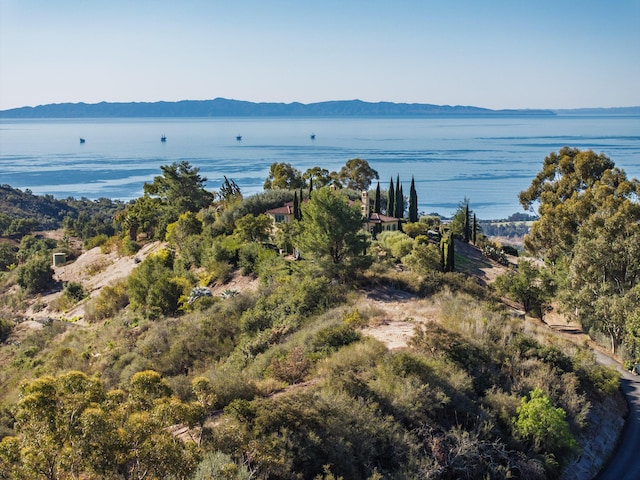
[{"x": 488, "y": 160}]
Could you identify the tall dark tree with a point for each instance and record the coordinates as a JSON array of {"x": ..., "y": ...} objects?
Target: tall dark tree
[
  {"x": 474, "y": 232},
  {"x": 447, "y": 253},
  {"x": 413, "y": 202},
  {"x": 310, "y": 186},
  {"x": 391, "y": 199},
  {"x": 467, "y": 224},
  {"x": 376, "y": 201},
  {"x": 398, "y": 204},
  {"x": 296, "y": 205}
]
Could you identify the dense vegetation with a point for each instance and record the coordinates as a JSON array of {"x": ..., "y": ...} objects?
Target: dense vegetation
[{"x": 162, "y": 380}]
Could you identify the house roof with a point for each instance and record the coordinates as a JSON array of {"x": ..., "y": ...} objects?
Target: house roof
[
  {"x": 286, "y": 209},
  {"x": 379, "y": 218}
]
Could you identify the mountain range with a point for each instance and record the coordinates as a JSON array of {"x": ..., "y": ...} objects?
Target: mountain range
[{"x": 222, "y": 107}]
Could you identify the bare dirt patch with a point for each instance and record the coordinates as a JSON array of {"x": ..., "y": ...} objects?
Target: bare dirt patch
[
  {"x": 93, "y": 270},
  {"x": 395, "y": 315}
]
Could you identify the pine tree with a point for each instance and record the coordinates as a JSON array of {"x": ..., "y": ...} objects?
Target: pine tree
[
  {"x": 391, "y": 200},
  {"x": 413, "y": 202},
  {"x": 376, "y": 202}
]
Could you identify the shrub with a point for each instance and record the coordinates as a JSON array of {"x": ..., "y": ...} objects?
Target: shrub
[
  {"x": 544, "y": 425},
  {"x": 291, "y": 367},
  {"x": 36, "y": 275},
  {"x": 111, "y": 300},
  {"x": 96, "y": 241},
  {"x": 6, "y": 326}
]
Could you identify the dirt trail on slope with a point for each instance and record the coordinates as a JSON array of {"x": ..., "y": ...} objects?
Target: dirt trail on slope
[{"x": 93, "y": 270}]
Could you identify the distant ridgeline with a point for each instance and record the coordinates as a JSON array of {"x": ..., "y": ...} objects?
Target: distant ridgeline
[
  {"x": 22, "y": 212},
  {"x": 221, "y": 107}
]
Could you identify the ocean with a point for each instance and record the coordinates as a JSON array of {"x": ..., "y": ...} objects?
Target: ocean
[{"x": 487, "y": 160}]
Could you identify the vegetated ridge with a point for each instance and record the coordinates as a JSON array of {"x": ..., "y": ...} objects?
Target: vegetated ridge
[{"x": 222, "y": 107}]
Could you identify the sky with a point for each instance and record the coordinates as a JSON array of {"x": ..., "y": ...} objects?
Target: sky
[{"x": 490, "y": 53}]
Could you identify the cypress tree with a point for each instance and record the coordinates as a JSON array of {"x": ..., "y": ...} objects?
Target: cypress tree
[
  {"x": 474, "y": 233},
  {"x": 467, "y": 226},
  {"x": 397, "y": 211},
  {"x": 447, "y": 253},
  {"x": 310, "y": 185},
  {"x": 451, "y": 263},
  {"x": 296, "y": 206},
  {"x": 376, "y": 201},
  {"x": 391, "y": 200},
  {"x": 413, "y": 202}
]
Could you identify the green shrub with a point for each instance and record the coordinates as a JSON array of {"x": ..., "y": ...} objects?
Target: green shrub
[
  {"x": 330, "y": 339},
  {"x": 36, "y": 275},
  {"x": 111, "y": 300},
  {"x": 544, "y": 425},
  {"x": 96, "y": 241},
  {"x": 6, "y": 326}
]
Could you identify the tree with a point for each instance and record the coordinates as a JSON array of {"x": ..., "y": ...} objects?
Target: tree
[
  {"x": 296, "y": 206},
  {"x": 398, "y": 205},
  {"x": 474, "y": 231},
  {"x": 460, "y": 220},
  {"x": 229, "y": 191},
  {"x": 589, "y": 227},
  {"x": 567, "y": 193},
  {"x": 283, "y": 176},
  {"x": 467, "y": 225},
  {"x": 253, "y": 228},
  {"x": 332, "y": 230},
  {"x": 377, "y": 200},
  {"x": 447, "y": 253},
  {"x": 413, "y": 202},
  {"x": 181, "y": 187},
  {"x": 317, "y": 177},
  {"x": 391, "y": 199},
  {"x": 357, "y": 174},
  {"x": 529, "y": 285},
  {"x": 153, "y": 287}
]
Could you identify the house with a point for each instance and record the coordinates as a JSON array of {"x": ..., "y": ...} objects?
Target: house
[
  {"x": 283, "y": 214},
  {"x": 372, "y": 222},
  {"x": 376, "y": 222}
]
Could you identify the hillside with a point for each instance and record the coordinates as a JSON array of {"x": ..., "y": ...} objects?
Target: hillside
[
  {"x": 206, "y": 336},
  {"x": 390, "y": 315}
]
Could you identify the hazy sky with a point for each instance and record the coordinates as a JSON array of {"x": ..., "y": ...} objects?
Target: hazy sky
[{"x": 495, "y": 54}]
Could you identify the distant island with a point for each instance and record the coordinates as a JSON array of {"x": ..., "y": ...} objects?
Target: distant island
[{"x": 221, "y": 107}]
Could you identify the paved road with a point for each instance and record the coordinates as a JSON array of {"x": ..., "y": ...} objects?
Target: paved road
[{"x": 625, "y": 462}]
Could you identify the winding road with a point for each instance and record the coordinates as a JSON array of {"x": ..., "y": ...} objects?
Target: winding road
[{"x": 624, "y": 464}]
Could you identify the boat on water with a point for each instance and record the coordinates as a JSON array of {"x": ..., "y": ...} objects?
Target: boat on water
[
  {"x": 312, "y": 136},
  {"x": 81, "y": 140},
  {"x": 238, "y": 137},
  {"x": 163, "y": 138}
]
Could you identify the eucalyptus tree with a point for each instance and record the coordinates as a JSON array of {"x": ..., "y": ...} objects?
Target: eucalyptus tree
[{"x": 589, "y": 227}]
